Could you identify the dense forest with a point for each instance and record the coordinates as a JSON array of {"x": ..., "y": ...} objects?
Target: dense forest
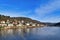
[{"x": 57, "y": 24}]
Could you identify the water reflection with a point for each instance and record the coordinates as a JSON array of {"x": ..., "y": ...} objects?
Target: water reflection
[
  {"x": 14, "y": 34},
  {"x": 46, "y": 33}
]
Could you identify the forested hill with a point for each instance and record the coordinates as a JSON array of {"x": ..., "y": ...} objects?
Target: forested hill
[{"x": 3, "y": 17}]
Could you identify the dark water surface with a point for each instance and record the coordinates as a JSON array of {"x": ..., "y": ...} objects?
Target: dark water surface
[{"x": 45, "y": 33}]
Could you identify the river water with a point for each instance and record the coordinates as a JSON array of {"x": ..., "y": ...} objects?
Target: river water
[{"x": 45, "y": 33}]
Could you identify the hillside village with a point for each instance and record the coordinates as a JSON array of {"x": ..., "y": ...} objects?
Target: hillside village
[{"x": 22, "y": 22}]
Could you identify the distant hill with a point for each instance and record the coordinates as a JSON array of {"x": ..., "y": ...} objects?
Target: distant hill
[
  {"x": 57, "y": 24},
  {"x": 53, "y": 24},
  {"x": 50, "y": 24}
]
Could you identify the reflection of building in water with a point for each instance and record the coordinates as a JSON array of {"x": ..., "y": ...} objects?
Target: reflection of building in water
[
  {"x": 23, "y": 33},
  {"x": 6, "y": 32},
  {"x": 10, "y": 31},
  {"x": 26, "y": 31}
]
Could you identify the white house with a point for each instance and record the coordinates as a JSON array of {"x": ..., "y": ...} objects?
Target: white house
[
  {"x": 3, "y": 22},
  {"x": 33, "y": 24},
  {"x": 3, "y": 25},
  {"x": 38, "y": 24},
  {"x": 19, "y": 24},
  {"x": 7, "y": 20},
  {"x": 27, "y": 24},
  {"x": 22, "y": 21},
  {"x": 10, "y": 25}
]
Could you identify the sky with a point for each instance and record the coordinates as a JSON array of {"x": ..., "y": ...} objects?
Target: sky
[{"x": 41, "y": 10}]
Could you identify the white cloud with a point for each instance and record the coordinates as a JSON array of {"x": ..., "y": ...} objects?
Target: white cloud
[
  {"x": 44, "y": 10},
  {"x": 48, "y": 8},
  {"x": 51, "y": 19}
]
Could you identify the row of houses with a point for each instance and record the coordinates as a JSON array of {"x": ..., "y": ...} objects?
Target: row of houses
[{"x": 17, "y": 23}]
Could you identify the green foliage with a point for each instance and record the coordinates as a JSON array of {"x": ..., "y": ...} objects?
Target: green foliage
[{"x": 1, "y": 27}]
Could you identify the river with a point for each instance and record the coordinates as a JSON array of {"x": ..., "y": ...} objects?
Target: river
[{"x": 44, "y": 33}]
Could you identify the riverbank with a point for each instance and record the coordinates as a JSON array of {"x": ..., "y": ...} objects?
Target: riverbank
[{"x": 21, "y": 27}]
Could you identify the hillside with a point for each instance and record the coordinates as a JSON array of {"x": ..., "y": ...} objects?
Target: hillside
[
  {"x": 57, "y": 24},
  {"x": 2, "y": 17}
]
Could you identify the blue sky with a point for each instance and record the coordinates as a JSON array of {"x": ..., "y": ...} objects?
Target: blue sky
[{"x": 42, "y": 10}]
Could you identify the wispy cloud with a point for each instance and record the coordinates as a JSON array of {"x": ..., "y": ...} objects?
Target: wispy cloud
[
  {"x": 38, "y": 12},
  {"x": 51, "y": 19},
  {"x": 48, "y": 8}
]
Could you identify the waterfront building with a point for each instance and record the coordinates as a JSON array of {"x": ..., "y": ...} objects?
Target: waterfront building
[
  {"x": 19, "y": 24},
  {"x": 7, "y": 22},
  {"x": 38, "y": 24},
  {"x": 27, "y": 24},
  {"x": 33, "y": 24},
  {"x": 2, "y": 22},
  {"x": 3, "y": 25},
  {"x": 10, "y": 25},
  {"x": 14, "y": 23}
]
